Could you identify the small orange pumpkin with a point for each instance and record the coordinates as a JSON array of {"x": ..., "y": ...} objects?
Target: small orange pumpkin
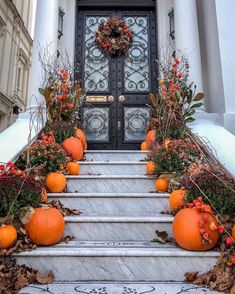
[
  {"x": 8, "y": 236},
  {"x": 143, "y": 146},
  {"x": 162, "y": 184},
  {"x": 74, "y": 148},
  {"x": 151, "y": 139},
  {"x": 233, "y": 232},
  {"x": 186, "y": 230},
  {"x": 44, "y": 196},
  {"x": 81, "y": 136},
  {"x": 177, "y": 199},
  {"x": 150, "y": 168},
  {"x": 46, "y": 227},
  {"x": 55, "y": 182},
  {"x": 73, "y": 168}
]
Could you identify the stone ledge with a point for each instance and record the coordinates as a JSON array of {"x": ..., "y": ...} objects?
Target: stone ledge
[
  {"x": 117, "y": 218},
  {"x": 104, "y": 249},
  {"x": 109, "y": 195}
]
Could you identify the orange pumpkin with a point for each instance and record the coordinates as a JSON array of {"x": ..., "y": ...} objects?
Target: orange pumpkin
[
  {"x": 162, "y": 184},
  {"x": 233, "y": 232},
  {"x": 177, "y": 199},
  {"x": 143, "y": 146},
  {"x": 74, "y": 148},
  {"x": 151, "y": 139},
  {"x": 55, "y": 182},
  {"x": 8, "y": 236},
  {"x": 186, "y": 230},
  {"x": 73, "y": 168},
  {"x": 150, "y": 168},
  {"x": 44, "y": 196},
  {"x": 46, "y": 227},
  {"x": 81, "y": 136}
]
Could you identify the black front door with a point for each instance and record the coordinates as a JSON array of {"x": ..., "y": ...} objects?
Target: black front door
[{"x": 116, "y": 88}]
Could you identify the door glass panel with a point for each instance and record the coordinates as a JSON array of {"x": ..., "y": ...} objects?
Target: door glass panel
[
  {"x": 136, "y": 64},
  {"x": 136, "y": 120},
  {"x": 96, "y": 123},
  {"x": 96, "y": 68}
]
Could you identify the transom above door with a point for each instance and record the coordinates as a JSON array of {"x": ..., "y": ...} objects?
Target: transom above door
[{"x": 116, "y": 115}]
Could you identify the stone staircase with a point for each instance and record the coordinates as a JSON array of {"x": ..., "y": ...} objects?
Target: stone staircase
[{"x": 120, "y": 213}]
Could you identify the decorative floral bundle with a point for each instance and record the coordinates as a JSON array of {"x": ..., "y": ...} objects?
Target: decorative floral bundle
[{"x": 114, "y": 37}]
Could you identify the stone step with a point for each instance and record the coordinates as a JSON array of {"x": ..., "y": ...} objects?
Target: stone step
[
  {"x": 112, "y": 168},
  {"x": 110, "y": 260},
  {"x": 111, "y": 184},
  {"x": 117, "y": 226},
  {"x": 115, "y": 155},
  {"x": 108, "y": 203},
  {"x": 116, "y": 287}
]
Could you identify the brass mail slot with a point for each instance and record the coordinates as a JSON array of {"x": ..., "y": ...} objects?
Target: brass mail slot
[{"x": 96, "y": 98}]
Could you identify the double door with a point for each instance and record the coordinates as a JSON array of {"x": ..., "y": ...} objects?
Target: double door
[{"x": 116, "y": 114}]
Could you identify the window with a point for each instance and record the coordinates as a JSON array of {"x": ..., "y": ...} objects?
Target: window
[
  {"x": 19, "y": 79},
  {"x": 22, "y": 77}
]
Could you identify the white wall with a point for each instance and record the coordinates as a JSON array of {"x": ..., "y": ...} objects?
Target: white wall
[
  {"x": 225, "y": 11},
  {"x": 210, "y": 55},
  {"x": 163, "y": 27},
  {"x": 67, "y": 41}
]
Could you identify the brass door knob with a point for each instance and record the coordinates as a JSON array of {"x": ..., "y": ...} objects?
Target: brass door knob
[
  {"x": 111, "y": 99},
  {"x": 122, "y": 98}
]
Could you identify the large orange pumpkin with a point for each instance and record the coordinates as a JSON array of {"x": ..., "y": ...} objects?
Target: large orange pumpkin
[
  {"x": 143, "y": 146},
  {"x": 55, "y": 182},
  {"x": 162, "y": 184},
  {"x": 8, "y": 236},
  {"x": 177, "y": 199},
  {"x": 150, "y": 168},
  {"x": 73, "y": 168},
  {"x": 151, "y": 139},
  {"x": 81, "y": 136},
  {"x": 186, "y": 230},
  {"x": 74, "y": 148},
  {"x": 46, "y": 227}
]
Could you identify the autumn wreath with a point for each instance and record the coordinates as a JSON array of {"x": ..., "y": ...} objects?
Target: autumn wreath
[{"x": 114, "y": 36}]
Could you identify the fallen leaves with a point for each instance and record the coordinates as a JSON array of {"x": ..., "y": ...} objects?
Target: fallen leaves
[
  {"x": 220, "y": 278},
  {"x": 162, "y": 237},
  {"x": 64, "y": 210},
  {"x": 14, "y": 277}
]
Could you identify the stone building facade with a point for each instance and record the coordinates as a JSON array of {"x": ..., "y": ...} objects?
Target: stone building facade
[{"x": 15, "y": 58}]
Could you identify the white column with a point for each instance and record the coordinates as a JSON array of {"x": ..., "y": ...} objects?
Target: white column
[
  {"x": 187, "y": 37},
  {"x": 45, "y": 34}
]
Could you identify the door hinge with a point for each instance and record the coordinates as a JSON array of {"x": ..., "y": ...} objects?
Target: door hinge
[
  {"x": 119, "y": 85},
  {"x": 119, "y": 125}
]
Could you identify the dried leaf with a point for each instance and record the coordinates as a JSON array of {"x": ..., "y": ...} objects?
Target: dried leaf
[
  {"x": 153, "y": 98},
  {"x": 190, "y": 276},
  {"x": 199, "y": 97},
  {"x": 161, "y": 237},
  {"x": 21, "y": 282},
  {"x": 46, "y": 278},
  {"x": 68, "y": 238},
  {"x": 25, "y": 214}
]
